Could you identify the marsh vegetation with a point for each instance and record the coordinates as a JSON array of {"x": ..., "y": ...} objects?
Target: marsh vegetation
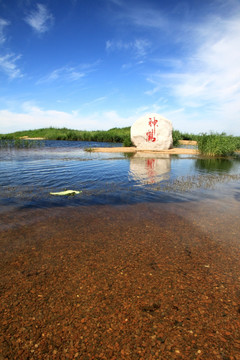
[
  {"x": 218, "y": 144},
  {"x": 114, "y": 135},
  {"x": 213, "y": 144}
]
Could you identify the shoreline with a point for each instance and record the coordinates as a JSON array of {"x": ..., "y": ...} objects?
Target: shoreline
[
  {"x": 31, "y": 138},
  {"x": 132, "y": 149},
  {"x": 174, "y": 151}
]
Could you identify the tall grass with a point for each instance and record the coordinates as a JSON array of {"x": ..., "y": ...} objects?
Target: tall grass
[
  {"x": 217, "y": 144},
  {"x": 176, "y": 135},
  {"x": 115, "y": 135}
]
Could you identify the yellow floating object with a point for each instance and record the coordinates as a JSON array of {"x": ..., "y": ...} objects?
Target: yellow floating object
[{"x": 66, "y": 192}]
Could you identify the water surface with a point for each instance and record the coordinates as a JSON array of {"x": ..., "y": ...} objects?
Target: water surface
[{"x": 27, "y": 176}]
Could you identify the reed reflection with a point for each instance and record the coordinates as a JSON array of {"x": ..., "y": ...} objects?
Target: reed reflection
[
  {"x": 214, "y": 165},
  {"x": 150, "y": 168}
]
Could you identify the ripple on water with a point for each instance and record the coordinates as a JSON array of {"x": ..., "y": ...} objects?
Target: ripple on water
[{"x": 28, "y": 176}]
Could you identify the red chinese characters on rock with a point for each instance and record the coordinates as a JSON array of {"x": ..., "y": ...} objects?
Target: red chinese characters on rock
[{"x": 151, "y": 134}]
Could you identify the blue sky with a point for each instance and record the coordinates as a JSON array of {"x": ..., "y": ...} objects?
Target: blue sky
[{"x": 98, "y": 64}]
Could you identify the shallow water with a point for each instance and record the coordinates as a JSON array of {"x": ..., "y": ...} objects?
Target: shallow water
[{"x": 27, "y": 176}]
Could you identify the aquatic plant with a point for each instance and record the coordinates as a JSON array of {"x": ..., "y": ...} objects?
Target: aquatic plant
[
  {"x": 176, "y": 135},
  {"x": 217, "y": 144}
]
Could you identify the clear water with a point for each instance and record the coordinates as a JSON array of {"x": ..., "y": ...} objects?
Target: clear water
[{"x": 27, "y": 176}]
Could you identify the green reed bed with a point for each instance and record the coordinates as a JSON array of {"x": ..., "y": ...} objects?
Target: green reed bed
[
  {"x": 217, "y": 144},
  {"x": 114, "y": 135}
]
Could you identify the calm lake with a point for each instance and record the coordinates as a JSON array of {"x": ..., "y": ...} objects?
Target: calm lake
[{"x": 27, "y": 176}]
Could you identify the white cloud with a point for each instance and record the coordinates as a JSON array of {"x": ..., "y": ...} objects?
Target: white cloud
[
  {"x": 94, "y": 101},
  {"x": 9, "y": 67},
  {"x": 127, "y": 66},
  {"x": 64, "y": 73},
  {"x": 137, "y": 14},
  {"x": 32, "y": 117},
  {"x": 69, "y": 73},
  {"x": 138, "y": 47},
  {"x": 207, "y": 85},
  {"x": 147, "y": 17},
  {"x": 3, "y": 24},
  {"x": 40, "y": 19},
  {"x": 8, "y": 61}
]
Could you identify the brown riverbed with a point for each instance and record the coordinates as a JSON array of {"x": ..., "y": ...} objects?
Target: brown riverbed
[{"x": 147, "y": 281}]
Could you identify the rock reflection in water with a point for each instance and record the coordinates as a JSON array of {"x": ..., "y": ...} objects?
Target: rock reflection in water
[{"x": 150, "y": 168}]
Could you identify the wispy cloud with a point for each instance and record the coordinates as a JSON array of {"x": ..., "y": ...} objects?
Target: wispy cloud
[
  {"x": 9, "y": 67},
  {"x": 94, "y": 101},
  {"x": 40, "y": 19},
  {"x": 8, "y": 61},
  {"x": 69, "y": 73},
  {"x": 65, "y": 73},
  {"x": 138, "y": 13},
  {"x": 3, "y": 24},
  {"x": 146, "y": 17},
  {"x": 138, "y": 47}
]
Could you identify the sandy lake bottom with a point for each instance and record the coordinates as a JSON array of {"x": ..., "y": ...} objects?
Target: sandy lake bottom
[{"x": 145, "y": 281}]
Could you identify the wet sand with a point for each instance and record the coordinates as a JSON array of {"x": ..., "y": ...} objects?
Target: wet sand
[
  {"x": 188, "y": 142},
  {"x": 174, "y": 151},
  {"x": 148, "y": 281},
  {"x": 31, "y": 138}
]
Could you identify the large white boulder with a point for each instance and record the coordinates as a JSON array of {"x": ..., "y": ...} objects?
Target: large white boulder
[{"x": 152, "y": 132}]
